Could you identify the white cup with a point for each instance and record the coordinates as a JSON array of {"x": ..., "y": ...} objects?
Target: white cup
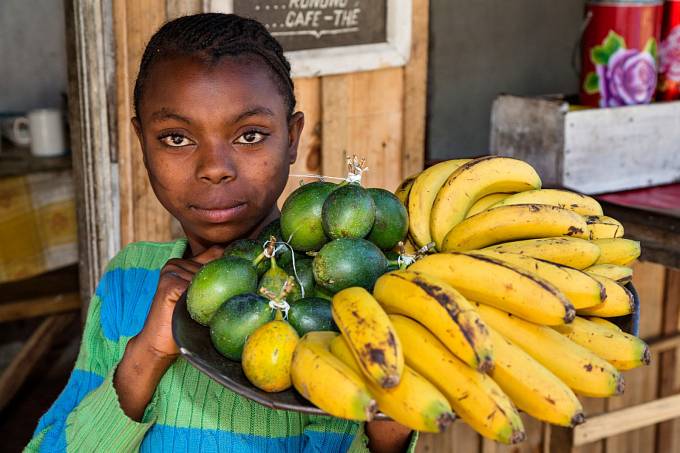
[{"x": 47, "y": 132}]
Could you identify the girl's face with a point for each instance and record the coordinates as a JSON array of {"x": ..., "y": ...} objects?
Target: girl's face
[{"x": 217, "y": 145}]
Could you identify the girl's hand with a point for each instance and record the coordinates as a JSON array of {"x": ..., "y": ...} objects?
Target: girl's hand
[{"x": 174, "y": 279}]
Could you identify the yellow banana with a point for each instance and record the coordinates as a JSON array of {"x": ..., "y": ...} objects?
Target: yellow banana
[
  {"x": 370, "y": 334},
  {"x": 619, "y": 300},
  {"x": 472, "y": 181},
  {"x": 423, "y": 193},
  {"x": 511, "y": 223},
  {"x": 581, "y": 289},
  {"x": 486, "y": 202},
  {"x": 568, "y": 251},
  {"x": 622, "y": 350},
  {"x": 404, "y": 189},
  {"x": 604, "y": 323},
  {"x": 617, "y": 251},
  {"x": 581, "y": 204},
  {"x": 621, "y": 274},
  {"x": 440, "y": 308},
  {"x": 414, "y": 402},
  {"x": 604, "y": 227},
  {"x": 473, "y": 395},
  {"x": 584, "y": 372},
  {"x": 491, "y": 281},
  {"x": 533, "y": 388},
  {"x": 327, "y": 382}
]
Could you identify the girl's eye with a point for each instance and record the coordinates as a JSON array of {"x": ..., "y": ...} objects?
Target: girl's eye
[
  {"x": 251, "y": 138},
  {"x": 175, "y": 140}
]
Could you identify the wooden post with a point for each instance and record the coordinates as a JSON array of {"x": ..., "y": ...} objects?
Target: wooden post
[
  {"x": 89, "y": 38},
  {"x": 668, "y": 437}
]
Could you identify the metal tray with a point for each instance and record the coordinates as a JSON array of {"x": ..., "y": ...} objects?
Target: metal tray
[{"x": 194, "y": 344}]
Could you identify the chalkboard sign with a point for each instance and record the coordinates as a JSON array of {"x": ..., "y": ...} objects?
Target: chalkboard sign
[
  {"x": 332, "y": 36},
  {"x": 314, "y": 24}
]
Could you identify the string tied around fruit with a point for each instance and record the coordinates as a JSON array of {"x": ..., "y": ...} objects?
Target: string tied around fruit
[
  {"x": 355, "y": 169},
  {"x": 278, "y": 301},
  {"x": 273, "y": 246},
  {"x": 404, "y": 259}
]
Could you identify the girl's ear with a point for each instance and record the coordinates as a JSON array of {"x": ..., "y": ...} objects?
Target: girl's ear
[
  {"x": 295, "y": 126},
  {"x": 137, "y": 126}
]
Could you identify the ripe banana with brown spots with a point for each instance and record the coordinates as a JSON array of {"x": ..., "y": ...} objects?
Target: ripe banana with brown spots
[
  {"x": 496, "y": 283},
  {"x": 440, "y": 308},
  {"x": 622, "y": 350},
  {"x": 603, "y": 227},
  {"x": 579, "y": 203},
  {"x": 619, "y": 301},
  {"x": 512, "y": 223},
  {"x": 472, "y": 181},
  {"x": 567, "y": 251},
  {"x": 580, "y": 289},
  {"x": 370, "y": 334},
  {"x": 324, "y": 380},
  {"x": 473, "y": 395},
  {"x": 620, "y": 274},
  {"x": 617, "y": 251},
  {"x": 415, "y": 402},
  {"x": 583, "y": 371}
]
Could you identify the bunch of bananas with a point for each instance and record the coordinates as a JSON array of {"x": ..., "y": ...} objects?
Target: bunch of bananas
[{"x": 508, "y": 313}]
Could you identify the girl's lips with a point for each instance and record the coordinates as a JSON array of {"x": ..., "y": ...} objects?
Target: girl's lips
[{"x": 219, "y": 215}]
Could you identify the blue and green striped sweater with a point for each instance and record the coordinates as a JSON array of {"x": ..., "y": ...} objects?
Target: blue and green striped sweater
[{"x": 189, "y": 411}]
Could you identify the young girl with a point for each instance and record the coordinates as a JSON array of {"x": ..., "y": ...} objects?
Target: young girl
[{"x": 215, "y": 118}]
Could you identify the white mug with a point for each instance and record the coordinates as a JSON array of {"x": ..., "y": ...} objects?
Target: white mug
[{"x": 47, "y": 132}]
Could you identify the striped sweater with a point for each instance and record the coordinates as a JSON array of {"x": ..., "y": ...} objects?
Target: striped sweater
[{"x": 189, "y": 411}]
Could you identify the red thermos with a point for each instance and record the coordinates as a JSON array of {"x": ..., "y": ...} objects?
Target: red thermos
[
  {"x": 619, "y": 52},
  {"x": 669, "y": 53}
]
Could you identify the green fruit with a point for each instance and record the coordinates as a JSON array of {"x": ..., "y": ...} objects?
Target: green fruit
[
  {"x": 250, "y": 250},
  {"x": 284, "y": 253},
  {"x": 273, "y": 229},
  {"x": 305, "y": 274},
  {"x": 274, "y": 280},
  {"x": 391, "y": 219},
  {"x": 346, "y": 262},
  {"x": 348, "y": 212},
  {"x": 301, "y": 216},
  {"x": 235, "y": 320},
  {"x": 392, "y": 258},
  {"x": 322, "y": 293},
  {"x": 311, "y": 314},
  {"x": 216, "y": 282}
]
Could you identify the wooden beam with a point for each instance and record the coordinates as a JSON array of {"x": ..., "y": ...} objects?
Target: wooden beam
[
  {"x": 606, "y": 425},
  {"x": 415, "y": 92},
  {"x": 141, "y": 215},
  {"x": 308, "y": 96},
  {"x": 39, "y": 307},
  {"x": 31, "y": 353},
  {"x": 668, "y": 439},
  {"x": 663, "y": 344},
  {"x": 91, "y": 88}
]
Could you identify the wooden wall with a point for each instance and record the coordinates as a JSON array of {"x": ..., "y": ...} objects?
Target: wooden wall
[{"x": 379, "y": 115}]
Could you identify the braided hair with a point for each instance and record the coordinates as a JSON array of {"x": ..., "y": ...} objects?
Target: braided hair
[{"x": 211, "y": 36}]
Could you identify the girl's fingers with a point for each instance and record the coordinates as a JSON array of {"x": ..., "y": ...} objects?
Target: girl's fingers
[{"x": 179, "y": 272}]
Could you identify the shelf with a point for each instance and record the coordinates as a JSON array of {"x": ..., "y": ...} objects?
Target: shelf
[{"x": 17, "y": 161}]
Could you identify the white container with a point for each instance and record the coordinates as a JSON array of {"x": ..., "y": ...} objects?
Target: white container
[
  {"x": 46, "y": 132},
  {"x": 591, "y": 150}
]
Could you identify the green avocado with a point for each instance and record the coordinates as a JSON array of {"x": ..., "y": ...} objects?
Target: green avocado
[
  {"x": 311, "y": 314},
  {"x": 391, "y": 219},
  {"x": 235, "y": 320},
  {"x": 216, "y": 282},
  {"x": 301, "y": 224},
  {"x": 347, "y": 262},
  {"x": 348, "y": 212}
]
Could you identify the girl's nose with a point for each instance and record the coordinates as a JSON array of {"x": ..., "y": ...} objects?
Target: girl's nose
[{"x": 216, "y": 163}]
